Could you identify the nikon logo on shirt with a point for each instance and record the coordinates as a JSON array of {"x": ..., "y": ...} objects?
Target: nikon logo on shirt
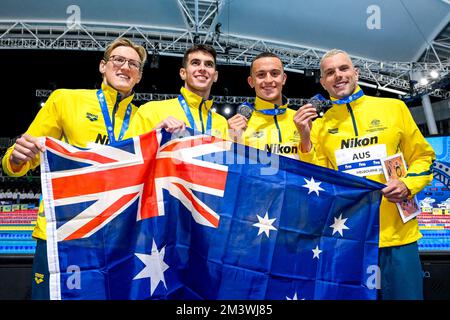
[
  {"x": 355, "y": 142},
  {"x": 280, "y": 149},
  {"x": 102, "y": 139}
]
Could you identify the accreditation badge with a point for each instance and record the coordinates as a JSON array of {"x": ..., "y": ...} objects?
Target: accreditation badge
[{"x": 361, "y": 162}]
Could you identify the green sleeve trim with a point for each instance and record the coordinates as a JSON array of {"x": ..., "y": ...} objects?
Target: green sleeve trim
[{"x": 425, "y": 173}]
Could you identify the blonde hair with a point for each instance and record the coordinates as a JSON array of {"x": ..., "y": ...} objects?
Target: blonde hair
[
  {"x": 124, "y": 42},
  {"x": 331, "y": 53}
]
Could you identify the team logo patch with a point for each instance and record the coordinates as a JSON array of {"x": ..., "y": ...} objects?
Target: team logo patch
[
  {"x": 333, "y": 131},
  {"x": 38, "y": 278},
  {"x": 91, "y": 117},
  {"x": 296, "y": 137},
  {"x": 258, "y": 134},
  {"x": 376, "y": 125}
]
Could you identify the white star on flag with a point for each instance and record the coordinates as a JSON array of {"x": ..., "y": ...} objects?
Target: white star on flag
[
  {"x": 339, "y": 225},
  {"x": 316, "y": 252},
  {"x": 265, "y": 224},
  {"x": 294, "y": 297},
  {"x": 154, "y": 267},
  {"x": 312, "y": 186}
]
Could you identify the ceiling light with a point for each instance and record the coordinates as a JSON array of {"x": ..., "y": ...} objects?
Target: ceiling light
[
  {"x": 434, "y": 74},
  {"x": 424, "y": 81}
]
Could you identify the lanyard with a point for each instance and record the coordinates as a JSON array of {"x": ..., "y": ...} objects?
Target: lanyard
[
  {"x": 349, "y": 99},
  {"x": 190, "y": 118},
  {"x": 269, "y": 112},
  {"x": 109, "y": 127}
]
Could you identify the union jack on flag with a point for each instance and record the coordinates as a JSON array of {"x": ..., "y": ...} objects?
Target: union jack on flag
[
  {"x": 158, "y": 217},
  {"x": 115, "y": 177}
]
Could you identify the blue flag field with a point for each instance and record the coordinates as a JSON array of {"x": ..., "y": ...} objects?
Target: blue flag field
[{"x": 197, "y": 217}]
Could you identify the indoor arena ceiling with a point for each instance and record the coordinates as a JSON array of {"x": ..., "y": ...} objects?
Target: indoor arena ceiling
[{"x": 388, "y": 39}]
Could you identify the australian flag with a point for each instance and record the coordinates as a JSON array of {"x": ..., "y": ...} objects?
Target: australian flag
[{"x": 197, "y": 217}]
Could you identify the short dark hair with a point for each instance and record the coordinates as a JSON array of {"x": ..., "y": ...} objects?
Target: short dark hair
[
  {"x": 199, "y": 47},
  {"x": 265, "y": 54}
]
